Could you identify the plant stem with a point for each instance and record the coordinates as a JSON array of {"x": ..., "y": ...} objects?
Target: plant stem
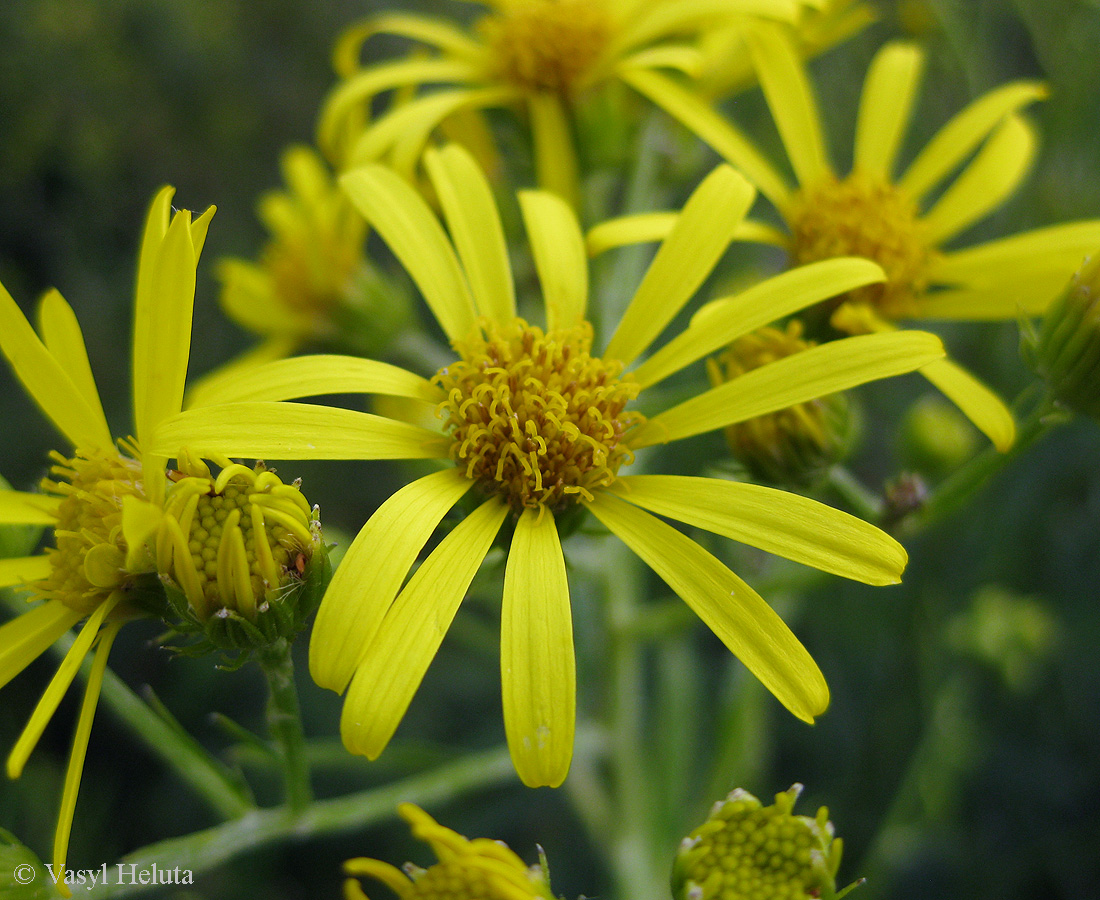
[
  {"x": 204, "y": 850},
  {"x": 284, "y": 721}
]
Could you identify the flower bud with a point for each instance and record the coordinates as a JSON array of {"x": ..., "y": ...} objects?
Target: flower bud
[
  {"x": 240, "y": 554},
  {"x": 748, "y": 851},
  {"x": 794, "y": 445},
  {"x": 1066, "y": 351}
]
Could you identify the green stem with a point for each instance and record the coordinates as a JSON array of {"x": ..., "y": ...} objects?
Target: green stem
[
  {"x": 630, "y": 852},
  {"x": 223, "y": 791},
  {"x": 204, "y": 850},
  {"x": 957, "y": 490},
  {"x": 864, "y": 502},
  {"x": 284, "y": 721}
]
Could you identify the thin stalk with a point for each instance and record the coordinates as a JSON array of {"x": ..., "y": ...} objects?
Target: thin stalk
[
  {"x": 284, "y": 721},
  {"x": 204, "y": 850}
]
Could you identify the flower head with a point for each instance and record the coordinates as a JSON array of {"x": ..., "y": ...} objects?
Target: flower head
[
  {"x": 109, "y": 504},
  {"x": 748, "y": 851},
  {"x": 905, "y": 222},
  {"x": 537, "y": 424},
  {"x": 481, "y": 868},
  {"x": 311, "y": 281},
  {"x": 540, "y": 55}
]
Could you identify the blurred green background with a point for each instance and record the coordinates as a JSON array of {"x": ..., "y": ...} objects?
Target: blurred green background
[{"x": 961, "y": 755}]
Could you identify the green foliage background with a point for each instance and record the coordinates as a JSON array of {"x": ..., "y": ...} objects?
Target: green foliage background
[{"x": 948, "y": 772}]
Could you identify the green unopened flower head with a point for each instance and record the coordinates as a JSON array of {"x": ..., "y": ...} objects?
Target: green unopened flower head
[
  {"x": 1066, "y": 351},
  {"x": 748, "y": 851},
  {"x": 794, "y": 445},
  {"x": 240, "y": 554}
]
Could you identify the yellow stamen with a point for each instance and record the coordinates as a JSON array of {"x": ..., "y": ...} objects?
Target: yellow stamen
[{"x": 534, "y": 417}]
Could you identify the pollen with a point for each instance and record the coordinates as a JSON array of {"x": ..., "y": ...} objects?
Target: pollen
[
  {"x": 535, "y": 417},
  {"x": 792, "y": 445},
  {"x": 89, "y": 561},
  {"x": 548, "y": 45},
  {"x": 234, "y": 541},
  {"x": 868, "y": 217}
]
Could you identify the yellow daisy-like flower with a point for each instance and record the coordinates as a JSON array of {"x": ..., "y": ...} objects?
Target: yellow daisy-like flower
[
  {"x": 890, "y": 218},
  {"x": 536, "y": 422},
  {"x": 540, "y": 55},
  {"x": 104, "y": 501},
  {"x": 483, "y": 869}
]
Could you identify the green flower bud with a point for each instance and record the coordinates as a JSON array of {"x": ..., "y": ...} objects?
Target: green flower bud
[
  {"x": 240, "y": 555},
  {"x": 795, "y": 445},
  {"x": 748, "y": 851},
  {"x": 1066, "y": 351}
]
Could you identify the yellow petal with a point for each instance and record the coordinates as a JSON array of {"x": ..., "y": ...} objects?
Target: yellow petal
[
  {"x": 372, "y": 571},
  {"x": 311, "y": 376},
  {"x": 162, "y": 325},
  {"x": 249, "y": 298},
  {"x": 983, "y": 407},
  {"x": 537, "y": 665},
  {"x": 724, "y": 320},
  {"x": 80, "y": 748},
  {"x": 729, "y": 607},
  {"x": 273, "y": 430},
  {"x": 817, "y": 372},
  {"x": 990, "y": 179},
  {"x": 685, "y": 259},
  {"x": 556, "y": 167},
  {"x": 55, "y": 690},
  {"x": 712, "y": 129},
  {"x": 356, "y": 92},
  {"x": 790, "y": 99},
  {"x": 777, "y": 521},
  {"x": 474, "y": 223},
  {"x": 659, "y": 20},
  {"x": 23, "y": 569},
  {"x": 27, "y": 636},
  {"x": 62, "y": 336},
  {"x": 684, "y": 58},
  {"x": 560, "y": 260},
  {"x": 641, "y": 228},
  {"x": 1053, "y": 252},
  {"x": 959, "y": 137},
  {"x": 885, "y": 108},
  {"x": 24, "y": 508},
  {"x": 139, "y": 520},
  {"x": 394, "y": 663},
  {"x": 47, "y": 381},
  {"x": 416, "y": 238},
  {"x": 433, "y": 32}
]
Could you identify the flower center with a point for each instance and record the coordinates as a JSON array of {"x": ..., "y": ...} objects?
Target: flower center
[
  {"x": 235, "y": 541},
  {"x": 548, "y": 44},
  {"x": 534, "y": 417},
  {"x": 792, "y": 445},
  {"x": 88, "y": 563},
  {"x": 860, "y": 216}
]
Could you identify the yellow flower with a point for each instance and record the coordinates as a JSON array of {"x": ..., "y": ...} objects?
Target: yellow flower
[
  {"x": 104, "y": 501},
  {"x": 535, "y": 423},
  {"x": 311, "y": 283},
  {"x": 540, "y": 55},
  {"x": 893, "y": 219},
  {"x": 483, "y": 869}
]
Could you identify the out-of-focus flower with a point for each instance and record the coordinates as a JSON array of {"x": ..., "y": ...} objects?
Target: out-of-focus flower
[
  {"x": 537, "y": 425},
  {"x": 483, "y": 869},
  {"x": 889, "y": 218},
  {"x": 311, "y": 283},
  {"x": 748, "y": 851},
  {"x": 539, "y": 55}
]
